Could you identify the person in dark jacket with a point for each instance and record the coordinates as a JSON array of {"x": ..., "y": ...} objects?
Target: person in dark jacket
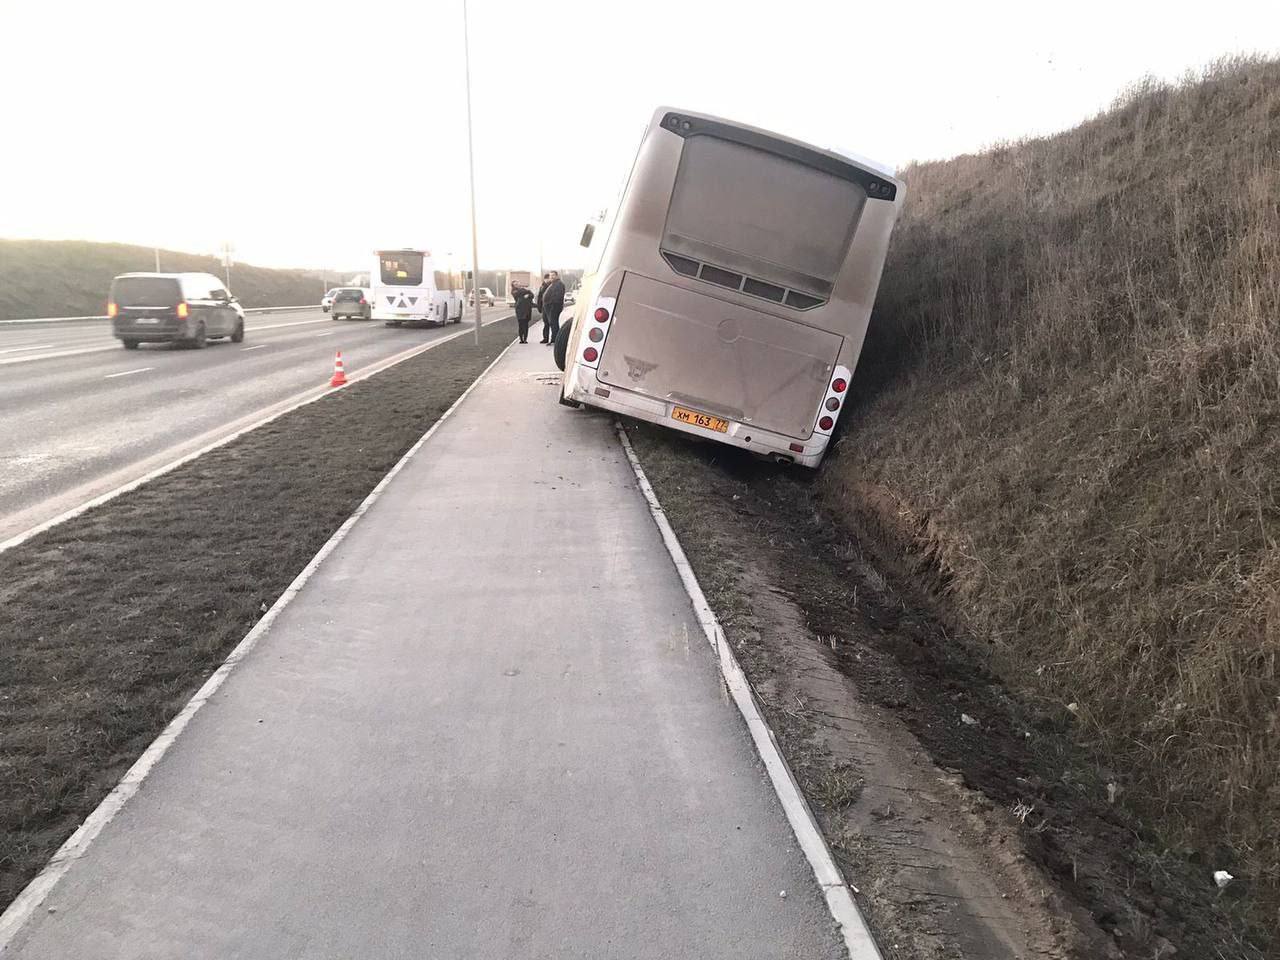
[
  {"x": 523, "y": 297},
  {"x": 546, "y": 282},
  {"x": 552, "y": 304}
]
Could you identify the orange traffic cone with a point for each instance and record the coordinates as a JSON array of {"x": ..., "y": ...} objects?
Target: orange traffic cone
[{"x": 339, "y": 375}]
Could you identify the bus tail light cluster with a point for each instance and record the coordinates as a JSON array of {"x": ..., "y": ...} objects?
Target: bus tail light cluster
[
  {"x": 597, "y": 322},
  {"x": 830, "y": 409}
]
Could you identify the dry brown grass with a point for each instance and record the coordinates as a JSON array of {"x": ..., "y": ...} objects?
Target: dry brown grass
[{"x": 1068, "y": 421}]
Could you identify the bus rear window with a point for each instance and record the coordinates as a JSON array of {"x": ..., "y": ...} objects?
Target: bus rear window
[
  {"x": 760, "y": 214},
  {"x": 145, "y": 291},
  {"x": 401, "y": 269}
]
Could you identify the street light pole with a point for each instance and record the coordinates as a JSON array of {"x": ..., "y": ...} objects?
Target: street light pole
[{"x": 471, "y": 164}]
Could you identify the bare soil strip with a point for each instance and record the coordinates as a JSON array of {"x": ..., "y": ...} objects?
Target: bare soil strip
[
  {"x": 972, "y": 824},
  {"x": 110, "y": 621}
]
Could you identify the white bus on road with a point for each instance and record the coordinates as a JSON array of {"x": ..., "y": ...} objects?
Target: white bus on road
[{"x": 407, "y": 288}]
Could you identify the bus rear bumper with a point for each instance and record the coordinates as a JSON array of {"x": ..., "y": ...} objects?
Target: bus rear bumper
[
  {"x": 582, "y": 386},
  {"x": 389, "y": 317}
]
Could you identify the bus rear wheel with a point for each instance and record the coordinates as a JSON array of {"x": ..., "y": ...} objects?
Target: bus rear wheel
[{"x": 561, "y": 346}]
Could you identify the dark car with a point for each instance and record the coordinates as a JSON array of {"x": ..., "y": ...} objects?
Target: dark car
[
  {"x": 351, "y": 302},
  {"x": 185, "y": 308}
]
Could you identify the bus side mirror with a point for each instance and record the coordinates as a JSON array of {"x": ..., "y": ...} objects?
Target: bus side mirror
[{"x": 587, "y": 233}]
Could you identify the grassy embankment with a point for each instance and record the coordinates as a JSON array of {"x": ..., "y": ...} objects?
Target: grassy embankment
[
  {"x": 70, "y": 278},
  {"x": 1067, "y": 424}
]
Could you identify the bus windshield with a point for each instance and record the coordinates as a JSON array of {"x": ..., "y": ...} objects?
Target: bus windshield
[
  {"x": 401, "y": 268},
  {"x": 760, "y": 214}
]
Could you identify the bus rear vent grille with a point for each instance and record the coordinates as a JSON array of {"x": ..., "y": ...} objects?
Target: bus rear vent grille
[{"x": 752, "y": 287}]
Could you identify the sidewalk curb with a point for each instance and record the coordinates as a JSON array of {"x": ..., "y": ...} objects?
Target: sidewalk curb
[
  {"x": 857, "y": 936},
  {"x": 277, "y": 410},
  {"x": 33, "y": 895}
]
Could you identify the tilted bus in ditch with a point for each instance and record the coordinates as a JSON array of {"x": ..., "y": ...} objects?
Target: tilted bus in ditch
[
  {"x": 407, "y": 286},
  {"x": 728, "y": 293}
]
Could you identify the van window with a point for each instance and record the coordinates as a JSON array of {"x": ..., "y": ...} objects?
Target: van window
[
  {"x": 145, "y": 291},
  {"x": 401, "y": 268},
  {"x": 763, "y": 215},
  {"x": 196, "y": 287}
]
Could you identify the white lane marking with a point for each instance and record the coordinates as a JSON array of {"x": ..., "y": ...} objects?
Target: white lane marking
[
  {"x": 329, "y": 334},
  {"x": 857, "y": 937},
  {"x": 34, "y": 346},
  {"x": 294, "y": 323},
  {"x": 256, "y": 346},
  {"x": 127, "y": 373},
  {"x": 116, "y": 346},
  {"x": 59, "y": 353},
  {"x": 88, "y": 320},
  {"x": 29, "y": 900},
  {"x": 280, "y": 409}
]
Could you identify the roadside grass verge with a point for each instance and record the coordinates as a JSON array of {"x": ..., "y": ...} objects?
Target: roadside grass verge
[
  {"x": 1068, "y": 426},
  {"x": 111, "y": 620}
]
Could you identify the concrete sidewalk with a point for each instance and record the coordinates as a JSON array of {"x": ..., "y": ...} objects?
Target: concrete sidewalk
[{"x": 488, "y": 726}]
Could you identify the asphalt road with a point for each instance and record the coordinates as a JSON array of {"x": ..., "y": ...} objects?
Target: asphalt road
[{"x": 81, "y": 415}]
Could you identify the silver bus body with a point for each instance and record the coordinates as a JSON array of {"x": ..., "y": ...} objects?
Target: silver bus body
[{"x": 729, "y": 291}]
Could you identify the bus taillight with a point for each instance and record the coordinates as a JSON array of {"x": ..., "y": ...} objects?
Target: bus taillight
[
  {"x": 591, "y": 355},
  {"x": 826, "y": 423},
  {"x": 839, "y": 384},
  {"x": 833, "y": 403},
  {"x": 601, "y": 315},
  {"x": 596, "y": 334}
]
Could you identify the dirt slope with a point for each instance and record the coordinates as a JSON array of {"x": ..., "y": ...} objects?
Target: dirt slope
[
  {"x": 70, "y": 278},
  {"x": 1067, "y": 429}
]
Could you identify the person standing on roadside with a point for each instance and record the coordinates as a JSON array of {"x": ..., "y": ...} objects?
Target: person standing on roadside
[
  {"x": 546, "y": 327},
  {"x": 523, "y": 297},
  {"x": 552, "y": 304}
]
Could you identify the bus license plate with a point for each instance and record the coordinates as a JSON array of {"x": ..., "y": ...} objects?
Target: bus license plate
[{"x": 700, "y": 420}]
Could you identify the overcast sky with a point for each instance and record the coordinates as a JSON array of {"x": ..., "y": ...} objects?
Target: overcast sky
[{"x": 312, "y": 135}]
